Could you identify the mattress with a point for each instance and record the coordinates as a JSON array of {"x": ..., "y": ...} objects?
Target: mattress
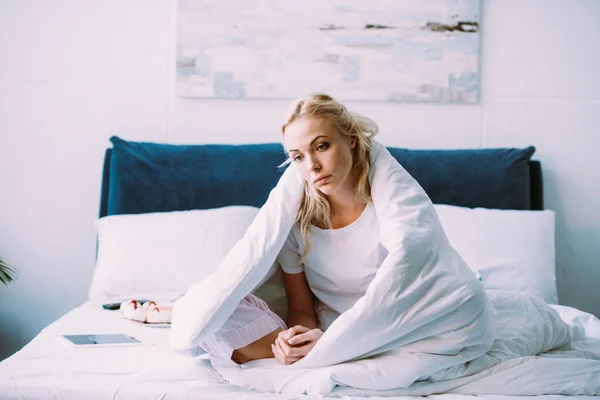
[{"x": 48, "y": 368}]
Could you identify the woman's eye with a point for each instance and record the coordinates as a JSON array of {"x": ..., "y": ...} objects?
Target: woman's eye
[
  {"x": 323, "y": 146},
  {"x": 297, "y": 158}
]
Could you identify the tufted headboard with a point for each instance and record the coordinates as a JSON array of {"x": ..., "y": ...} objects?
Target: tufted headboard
[{"x": 143, "y": 177}]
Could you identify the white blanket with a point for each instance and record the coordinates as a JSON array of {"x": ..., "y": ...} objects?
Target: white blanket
[
  {"x": 48, "y": 369},
  {"x": 425, "y": 324}
]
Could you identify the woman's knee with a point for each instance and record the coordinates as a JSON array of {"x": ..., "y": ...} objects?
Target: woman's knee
[{"x": 247, "y": 332}]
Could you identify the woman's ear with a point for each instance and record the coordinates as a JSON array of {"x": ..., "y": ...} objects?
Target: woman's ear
[{"x": 353, "y": 143}]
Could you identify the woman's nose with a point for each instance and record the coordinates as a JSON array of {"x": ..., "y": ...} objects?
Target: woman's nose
[
  {"x": 315, "y": 166},
  {"x": 311, "y": 164}
]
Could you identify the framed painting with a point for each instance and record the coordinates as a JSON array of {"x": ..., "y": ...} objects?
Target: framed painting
[{"x": 399, "y": 51}]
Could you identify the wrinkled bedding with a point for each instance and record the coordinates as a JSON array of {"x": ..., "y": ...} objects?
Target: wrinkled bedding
[
  {"x": 47, "y": 368},
  {"x": 424, "y": 326}
]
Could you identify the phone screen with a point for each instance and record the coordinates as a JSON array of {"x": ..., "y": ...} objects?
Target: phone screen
[{"x": 102, "y": 338}]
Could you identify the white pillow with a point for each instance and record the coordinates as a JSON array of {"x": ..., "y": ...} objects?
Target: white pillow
[
  {"x": 158, "y": 256},
  {"x": 513, "y": 250}
]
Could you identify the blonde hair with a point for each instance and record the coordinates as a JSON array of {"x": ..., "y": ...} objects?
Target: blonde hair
[{"x": 314, "y": 208}]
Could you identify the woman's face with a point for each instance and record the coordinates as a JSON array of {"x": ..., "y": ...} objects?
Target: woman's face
[{"x": 321, "y": 154}]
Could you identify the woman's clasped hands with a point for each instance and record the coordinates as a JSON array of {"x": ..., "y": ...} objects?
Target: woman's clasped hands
[{"x": 294, "y": 343}]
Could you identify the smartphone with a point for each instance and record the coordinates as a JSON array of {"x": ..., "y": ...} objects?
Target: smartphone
[{"x": 101, "y": 340}]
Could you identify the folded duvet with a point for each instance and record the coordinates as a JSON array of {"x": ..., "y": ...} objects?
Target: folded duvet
[{"x": 425, "y": 324}]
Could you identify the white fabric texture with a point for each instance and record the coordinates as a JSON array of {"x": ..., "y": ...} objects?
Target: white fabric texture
[
  {"x": 402, "y": 305},
  {"x": 420, "y": 259},
  {"x": 158, "y": 256},
  {"x": 340, "y": 265},
  {"x": 251, "y": 320},
  {"x": 424, "y": 317},
  {"x": 247, "y": 265},
  {"x": 513, "y": 250},
  {"x": 48, "y": 369},
  {"x": 568, "y": 362}
]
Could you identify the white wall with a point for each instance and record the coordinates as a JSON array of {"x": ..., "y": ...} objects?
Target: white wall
[{"x": 72, "y": 73}]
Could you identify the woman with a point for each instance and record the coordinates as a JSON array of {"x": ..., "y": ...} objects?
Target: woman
[{"x": 333, "y": 251}]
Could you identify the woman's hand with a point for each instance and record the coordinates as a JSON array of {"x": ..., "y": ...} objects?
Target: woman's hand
[{"x": 293, "y": 344}]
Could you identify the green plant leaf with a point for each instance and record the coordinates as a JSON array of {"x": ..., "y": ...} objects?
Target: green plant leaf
[{"x": 7, "y": 273}]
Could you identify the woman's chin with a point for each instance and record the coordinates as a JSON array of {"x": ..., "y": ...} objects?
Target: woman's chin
[{"x": 326, "y": 189}]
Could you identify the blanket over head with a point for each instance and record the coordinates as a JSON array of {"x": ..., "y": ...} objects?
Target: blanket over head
[{"x": 424, "y": 317}]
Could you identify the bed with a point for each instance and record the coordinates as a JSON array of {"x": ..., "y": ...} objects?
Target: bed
[{"x": 489, "y": 200}]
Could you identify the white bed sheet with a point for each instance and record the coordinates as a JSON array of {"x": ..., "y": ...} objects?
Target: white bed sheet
[{"x": 47, "y": 368}]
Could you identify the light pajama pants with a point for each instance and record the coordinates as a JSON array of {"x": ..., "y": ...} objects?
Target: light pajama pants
[{"x": 251, "y": 320}]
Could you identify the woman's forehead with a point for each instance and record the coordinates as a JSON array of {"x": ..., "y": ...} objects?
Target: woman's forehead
[{"x": 303, "y": 131}]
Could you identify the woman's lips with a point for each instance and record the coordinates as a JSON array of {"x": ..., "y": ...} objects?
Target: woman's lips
[{"x": 323, "y": 180}]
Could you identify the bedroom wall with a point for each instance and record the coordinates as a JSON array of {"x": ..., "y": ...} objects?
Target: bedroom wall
[{"x": 75, "y": 72}]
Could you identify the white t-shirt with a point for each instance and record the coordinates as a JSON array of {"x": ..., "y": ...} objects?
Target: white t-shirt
[{"x": 340, "y": 265}]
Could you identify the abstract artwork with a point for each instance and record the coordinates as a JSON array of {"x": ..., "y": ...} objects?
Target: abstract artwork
[{"x": 387, "y": 50}]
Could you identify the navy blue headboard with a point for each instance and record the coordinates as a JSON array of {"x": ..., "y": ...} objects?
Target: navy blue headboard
[{"x": 151, "y": 177}]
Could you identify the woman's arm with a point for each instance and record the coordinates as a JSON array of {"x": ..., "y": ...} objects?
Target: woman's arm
[
  {"x": 301, "y": 306},
  {"x": 294, "y": 343}
]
